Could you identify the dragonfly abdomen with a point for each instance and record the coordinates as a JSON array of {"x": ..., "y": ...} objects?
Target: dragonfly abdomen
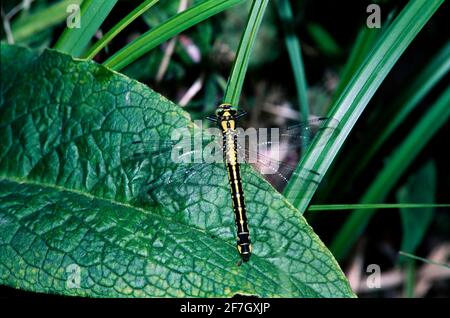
[
  {"x": 240, "y": 213},
  {"x": 234, "y": 176}
]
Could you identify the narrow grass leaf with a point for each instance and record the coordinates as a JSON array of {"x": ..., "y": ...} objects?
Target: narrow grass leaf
[
  {"x": 158, "y": 35},
  {"x": 364, "y": 43},
  {"x": 365, "y": 40},
  {"x": 92, "y": 14},
  {"x": 400, "y": 160},
  {"x": 324, "y": 41},
  {"x": 237, "y": 76},
  {"x": 425, "y": 260},
  {"x": 414, "y": 94},
  {"x": 357, "y": 95},
  {"x": 97, "y": 47},
  {"x": 295, "y": 55},
  {"x": 370, "y": 206},
  {"x": 361, "y": 154},
  {"x": 421, "y": 186},
  {"x": 41, "y": 20},
  {"x": 410, "y": 279}
]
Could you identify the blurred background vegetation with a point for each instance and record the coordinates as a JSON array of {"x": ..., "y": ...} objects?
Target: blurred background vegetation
[{"x": 192, "y": 70}]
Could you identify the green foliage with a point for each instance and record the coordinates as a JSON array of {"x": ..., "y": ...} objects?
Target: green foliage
[
  {"x": 420, "y": 187},
  {"x": 405, "y": 205},
  {"x": 232, "y": 24},
  {"x": 24, "y": 29},
  {"x": 401, "y": 158},
  {"x": 392, "y": 117},
  {"x": 237, "y": 76},
  {"x": 425, "y": 260},
  {"x": 93, "y": 12},
  {"x": 163, "y": 32},
  {"x": 323, "y": 40},
  {"x": 363, "y": 44},
  {"x": 73, "y": 192},
  {"x": 138, "y": 11},
  {"x": 357, "y": 95},
  {"x": 295, "y": 55}
]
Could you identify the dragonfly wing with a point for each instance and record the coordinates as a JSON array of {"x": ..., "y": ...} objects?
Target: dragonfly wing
[
  {"x": 166, "y": 166},
  {"x": 303, "y": 133},
  {"x": 277, "y": 172},
  {"x": 168, "y": 173}
]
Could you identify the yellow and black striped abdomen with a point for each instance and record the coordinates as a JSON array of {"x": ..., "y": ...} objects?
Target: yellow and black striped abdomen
[{"x": 234, "y": 176}]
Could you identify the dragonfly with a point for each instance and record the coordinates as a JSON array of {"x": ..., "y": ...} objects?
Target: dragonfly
[
  {"x": 233, "y": 152},
  {"x": 226, "y": 118}
]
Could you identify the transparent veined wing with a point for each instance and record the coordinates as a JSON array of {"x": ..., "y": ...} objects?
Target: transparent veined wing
[
  {"x": 299, "y": 136},
  {"x": 276, "y": 157},
  {"x": 177, "y": 164},
  {"x": 278, "y": 172}
]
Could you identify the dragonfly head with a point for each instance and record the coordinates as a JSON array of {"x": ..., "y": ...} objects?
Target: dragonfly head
[{"x": 225, "y": 112}]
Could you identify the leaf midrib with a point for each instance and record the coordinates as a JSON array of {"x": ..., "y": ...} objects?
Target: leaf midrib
[
  {"x": 91, "y": 196},
  {"x": 165, "y": 219}
]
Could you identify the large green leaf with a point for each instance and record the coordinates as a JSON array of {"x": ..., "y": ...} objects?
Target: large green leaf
[
  {"x": 293, "y": 47},
  {"x": 72, "y": 195}
]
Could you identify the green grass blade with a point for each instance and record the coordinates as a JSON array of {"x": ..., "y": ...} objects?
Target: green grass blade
[
  {"x": 34, "y": 23},
  {"x": 97, "y": 47},
  {"x": 237, "y": 76},
  {"x": 93, "y": 13},
  {"x": 425, "y": 260},
  {"x": 410, "y": 279},
  {"x": 105, "y": 222},
  {"x": 400, "y": 160},
  {"x": 295, "y": 54},
  {"x": 371, "y": 206},
  {"x": 360, "y": 155},
  {"x": 178, "y": 23},
  {"x": 324, "y": 41},
  {"x": 422, "y": 85},
  {"x": 365, "y": 40},
  {"x": 419, "y": 187},
  {"x": 357, "y": 95}
]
